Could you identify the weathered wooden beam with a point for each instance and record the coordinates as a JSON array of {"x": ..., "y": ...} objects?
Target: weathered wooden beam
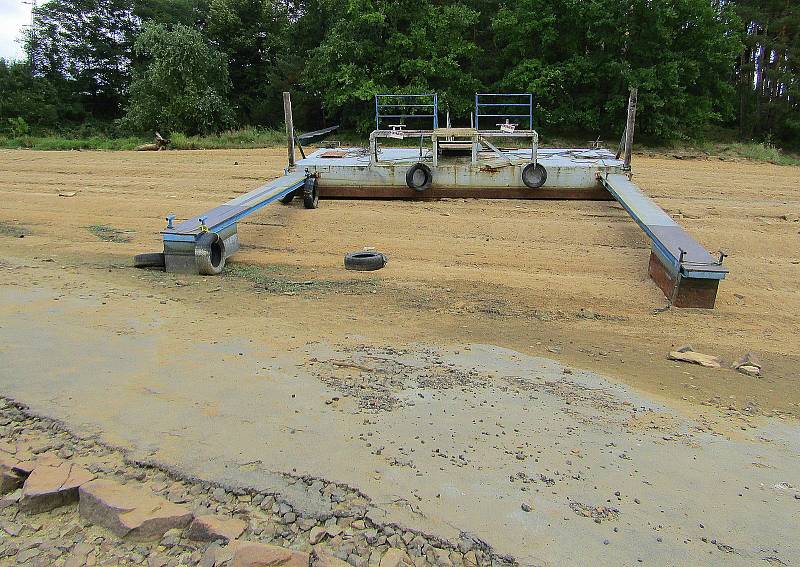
[
  {"x": 287, "y": 112},
  {"x": 629, "y": 127}
]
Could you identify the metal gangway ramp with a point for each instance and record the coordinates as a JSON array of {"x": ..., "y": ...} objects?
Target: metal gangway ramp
[
  {"x": 684, "y": 270},
  {"x": 201, "y": 243}
]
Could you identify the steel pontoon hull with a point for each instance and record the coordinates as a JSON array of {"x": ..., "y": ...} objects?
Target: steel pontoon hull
[
  {"x": 687, "y": 274},
  {"x": 350, "y": 173}
]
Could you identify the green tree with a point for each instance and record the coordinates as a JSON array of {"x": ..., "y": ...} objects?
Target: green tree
[
  {"x": 27, "y": 99},
  {"x": 254, "y": 35},
  {"x": 182, "y": 87},
  {"x": 192, "y": 13},
  {"x": 579, "y": 59},
  {"x": 768, "y": 69},
  {"x": 83, "y": 47},
  {"x": 368, "y": 47}
]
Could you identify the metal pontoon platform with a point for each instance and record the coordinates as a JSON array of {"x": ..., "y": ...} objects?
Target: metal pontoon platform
[
  {"x": 355, "y": 173},
  {"x": 458, "y": 162}
]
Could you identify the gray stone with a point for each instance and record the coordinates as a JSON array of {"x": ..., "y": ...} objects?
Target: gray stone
[{"x": 371, "y": 536}]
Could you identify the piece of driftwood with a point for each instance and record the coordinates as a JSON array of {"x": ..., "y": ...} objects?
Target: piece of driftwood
[
  {"x": 159, "y": 144},
  {"x": 706, "y": 360}
]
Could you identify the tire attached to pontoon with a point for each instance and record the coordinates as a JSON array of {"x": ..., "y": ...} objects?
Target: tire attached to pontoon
[
  {"x": 310, "y": 193},
  {"x": 209, "y": 253},
  {"x": 534, "y": 175},
  {"x": 419, "y": 177}
]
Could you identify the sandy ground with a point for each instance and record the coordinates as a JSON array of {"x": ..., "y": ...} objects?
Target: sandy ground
[{"x": 291, "y": 364}]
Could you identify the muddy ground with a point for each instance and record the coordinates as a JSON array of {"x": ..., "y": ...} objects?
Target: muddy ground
[{"x": 504, "y": 338}]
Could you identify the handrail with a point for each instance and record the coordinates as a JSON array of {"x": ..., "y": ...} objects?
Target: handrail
[
  {"x": 479, "y": 105},
  {"x": 379, "y": 105}
]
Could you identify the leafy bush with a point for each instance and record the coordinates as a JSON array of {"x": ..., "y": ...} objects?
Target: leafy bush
[
  {"x": 19, "y": 127},
  {"x": 182, "y": 88}
]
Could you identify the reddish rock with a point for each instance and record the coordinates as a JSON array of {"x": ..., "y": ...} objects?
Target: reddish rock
[
  {"x": 707, "y": 360},
  {"x": 10, "y": 499},
  {"x": 9, "y": 448},
  {"x": 26, "y": 462},
  {"x": 79, "y": 555},
  {"x": 10, "y": 477},
  {"x": 210, "y": 528},
  {"x": 49, "y": 487},
  {"x": 249, "y": 554},
  {"x": 129, "y": 512},
  {"x": 395, "y": 557},
  {"x": 317, "y": 534},
  {"x": 321, "y": 558}
]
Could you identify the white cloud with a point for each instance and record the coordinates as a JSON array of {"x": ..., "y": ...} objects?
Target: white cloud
[{"x": 13, "y": 16}]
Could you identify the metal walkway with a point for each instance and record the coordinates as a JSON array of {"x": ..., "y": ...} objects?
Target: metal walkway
[
  {"x": 675, "y": 247},
  {"x": 221, "y": 217}
]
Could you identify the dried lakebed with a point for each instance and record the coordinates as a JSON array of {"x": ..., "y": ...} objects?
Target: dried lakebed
[{"x": 550, "y": 465}]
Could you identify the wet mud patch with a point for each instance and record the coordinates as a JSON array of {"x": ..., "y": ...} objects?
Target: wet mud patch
[{"x": 377, "y": 377}]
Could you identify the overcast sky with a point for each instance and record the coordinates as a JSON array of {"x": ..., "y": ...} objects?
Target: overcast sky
[{"x": 13, "y": 15}]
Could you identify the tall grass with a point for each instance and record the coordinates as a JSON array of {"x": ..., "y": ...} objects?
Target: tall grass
[
  {"x": 61, "y": 143},
  {"x": 755, "y": 151},
  {"x": 252, "y": 137},
  {"x": 242, "y": 138},
  {"x": 759, "y": 152}
]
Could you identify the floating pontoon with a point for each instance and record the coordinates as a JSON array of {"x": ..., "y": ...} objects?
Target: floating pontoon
[{"x": 501, "y": 161}]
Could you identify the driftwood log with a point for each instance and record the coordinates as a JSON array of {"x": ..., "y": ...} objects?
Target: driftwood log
[{"x": 159, "y": 144}]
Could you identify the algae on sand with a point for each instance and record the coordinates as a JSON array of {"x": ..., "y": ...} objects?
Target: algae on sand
[
  {"x": 109, "y": 233},
  {"x": 274, "y": 279}
]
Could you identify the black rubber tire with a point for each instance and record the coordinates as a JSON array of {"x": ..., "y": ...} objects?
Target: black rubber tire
[
  {"x": 534, "y": 176},
  {"x": 364, "y": 261},
  {"x": 149, "y": 260},
  {"x": 287, "y": 199},
  {"x": 209, "y": 253},
  {"x": 310, "y": 194},
  {"x": 419, "y": 177}
]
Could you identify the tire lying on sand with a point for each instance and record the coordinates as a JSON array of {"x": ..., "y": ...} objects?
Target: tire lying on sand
[
  {"x": 209, "y": 253},
  {"x": 364, "y": 261},
  {"x": 149, "y": 260}
]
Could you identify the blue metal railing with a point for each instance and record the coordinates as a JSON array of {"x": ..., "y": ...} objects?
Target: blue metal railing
[
  {"x": 404, "y": 102},
  {"x": 504, "y": 105}
]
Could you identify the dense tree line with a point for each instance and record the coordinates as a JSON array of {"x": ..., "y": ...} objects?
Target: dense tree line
[{"x": 199, "y": 66}]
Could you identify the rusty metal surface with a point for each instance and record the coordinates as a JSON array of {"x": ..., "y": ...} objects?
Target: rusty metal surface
[
  {"x": 396, "y": 192},
  {"x": 690, "y": 292}
]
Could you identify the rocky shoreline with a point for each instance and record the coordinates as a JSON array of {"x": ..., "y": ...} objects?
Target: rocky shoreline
[{"x": 73, "y": 501}]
